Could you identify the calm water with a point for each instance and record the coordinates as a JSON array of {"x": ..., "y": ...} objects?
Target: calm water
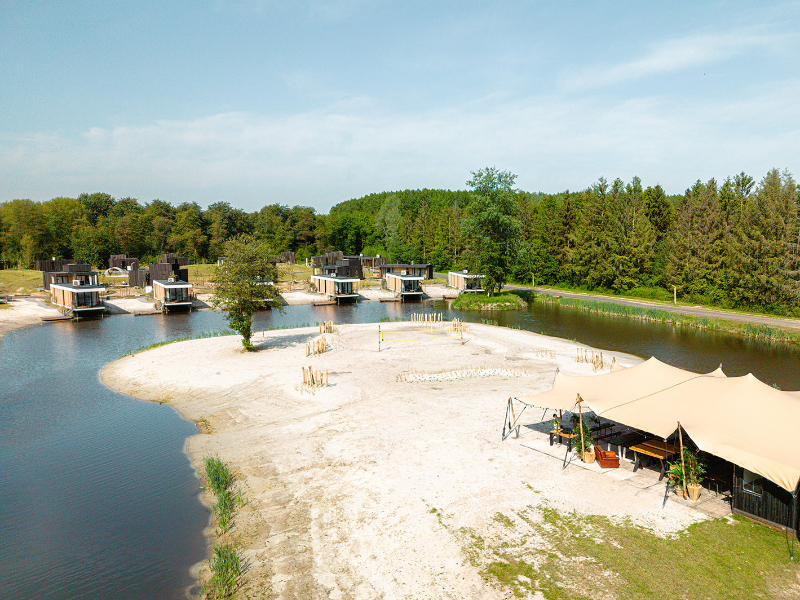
[{"x": 98, "y": 499}]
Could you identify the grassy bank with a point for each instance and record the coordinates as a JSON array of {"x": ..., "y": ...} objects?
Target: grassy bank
[
  {"x": 566, "y": 556},
  {"x": 657, "y": 315},
  {"x": 483, "y": 302}
]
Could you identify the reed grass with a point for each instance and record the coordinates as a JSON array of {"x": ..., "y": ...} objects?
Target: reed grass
[
  {"x": 657, "y": 315},
  {"x": 199, "y": 336},
  {"x": 219, "y": 476},
  {"x": 226, "y": 571}
]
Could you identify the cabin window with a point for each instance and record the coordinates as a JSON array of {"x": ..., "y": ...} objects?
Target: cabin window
[{"x": 752, "y": 483}]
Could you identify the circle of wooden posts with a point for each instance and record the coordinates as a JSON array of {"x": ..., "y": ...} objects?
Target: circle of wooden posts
[
  {"x": 587, "y": 356},
  {"x": 313, "y": 378},
  {"x": 317, "y": 346}
]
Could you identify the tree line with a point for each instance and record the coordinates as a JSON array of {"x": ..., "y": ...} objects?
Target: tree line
[{"x": 734, "y": 243}]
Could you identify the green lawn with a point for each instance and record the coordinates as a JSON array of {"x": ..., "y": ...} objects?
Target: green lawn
[
  {"x": 569, "y": 556},
  {"x": 20, "y": 281}
]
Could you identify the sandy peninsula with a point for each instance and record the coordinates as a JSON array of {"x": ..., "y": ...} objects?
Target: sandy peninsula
[{"x": 364, "y": 489}]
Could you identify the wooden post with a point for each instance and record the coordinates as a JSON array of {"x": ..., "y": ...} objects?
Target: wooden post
[
  {"x": 379, "y": 338},
  {"x": 326, "y": 377},
  {"x": 683, "y": 465},
  {"x": 674, "y": 295}
]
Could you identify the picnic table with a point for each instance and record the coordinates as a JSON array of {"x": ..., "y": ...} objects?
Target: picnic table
[
  {"x": 625, "y": 440},
  {"x": 654, "y": 449},
  {"x": 563, "y": 433}
]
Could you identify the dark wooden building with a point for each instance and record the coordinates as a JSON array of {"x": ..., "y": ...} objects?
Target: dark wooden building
[
  {"x": 121, "y": 261},
  {"x": 167, "y": 270},
  {"x": 138, "y": 277},
  {"x": 172, "y": 257},
  {"x": 760, "y": 499},
  {"x": 55, "y": 264},
  {"x": 71, "y": 272}
]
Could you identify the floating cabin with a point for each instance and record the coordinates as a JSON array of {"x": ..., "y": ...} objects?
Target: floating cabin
[
  {"x": 172, "y": 294},
  {"x": 79, "y": 299},
  {"x": 421, "y": 270},
  {"x": 464, "y": 281},
  {"x": 408, "y": 287},
  {"x": 336, "y": 287}
]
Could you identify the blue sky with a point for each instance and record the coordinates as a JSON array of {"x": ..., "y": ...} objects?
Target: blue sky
[{"x": 311, "y": 103}]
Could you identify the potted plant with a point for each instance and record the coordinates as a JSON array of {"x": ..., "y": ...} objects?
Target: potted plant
[{"x": 695, "y": 469}]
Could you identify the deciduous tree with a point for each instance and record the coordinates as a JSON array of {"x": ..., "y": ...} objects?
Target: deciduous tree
[{"x": 245, "y": 283}]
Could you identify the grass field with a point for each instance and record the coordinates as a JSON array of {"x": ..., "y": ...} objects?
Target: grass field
[
  {"x": 570, "y": 556},
  {"x": 20, "y": 281}
]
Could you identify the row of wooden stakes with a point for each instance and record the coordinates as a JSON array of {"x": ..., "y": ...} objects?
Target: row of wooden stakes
[
  {"x": 315, "y": 379},
  {"x": 596, "y": 359},
  {"x": 317, "y": 346},
  {"x": 426, "y": 318},
  {"x": 326, "y": 327}
]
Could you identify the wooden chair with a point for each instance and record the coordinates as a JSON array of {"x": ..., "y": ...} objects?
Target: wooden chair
[{"x": 607, "y": 459}]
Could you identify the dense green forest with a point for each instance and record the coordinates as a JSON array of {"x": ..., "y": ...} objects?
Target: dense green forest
[{"x": 732, "y": 244}]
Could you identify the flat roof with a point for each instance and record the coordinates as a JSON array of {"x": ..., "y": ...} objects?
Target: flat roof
[
  {"x": 172, "y": 284},
  {"x": 78, "y": 288},
  {"x": 399, "y": 276},
  {"x": 412, "y": 265},
  {"x": 466, "y": 274},
  {"x": 336, "y": 278}
]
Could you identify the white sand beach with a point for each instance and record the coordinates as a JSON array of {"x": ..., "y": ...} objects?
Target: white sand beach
[{"x": 360, "y": 489}]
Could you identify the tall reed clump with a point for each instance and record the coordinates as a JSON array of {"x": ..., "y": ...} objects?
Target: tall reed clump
[
  {"x": 226, "y": 569},
  {"x": 226, "y": 565}
]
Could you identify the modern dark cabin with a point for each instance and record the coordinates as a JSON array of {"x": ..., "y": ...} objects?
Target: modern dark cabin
[
  {"x": 123, "y": 262},
  {"x": 69, "y": 273}
]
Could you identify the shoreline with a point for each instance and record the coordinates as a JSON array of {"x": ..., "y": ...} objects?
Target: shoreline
[{"x": 346, "y": 486}]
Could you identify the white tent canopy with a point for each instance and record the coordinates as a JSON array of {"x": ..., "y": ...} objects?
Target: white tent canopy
[{"x": 725, "y": 416}]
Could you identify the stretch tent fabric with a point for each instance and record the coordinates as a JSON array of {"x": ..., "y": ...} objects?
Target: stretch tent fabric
[{"x": 725, "y": 416}]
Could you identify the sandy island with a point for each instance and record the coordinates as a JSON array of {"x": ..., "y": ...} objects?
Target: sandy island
[{"x": 363, "y": 489}]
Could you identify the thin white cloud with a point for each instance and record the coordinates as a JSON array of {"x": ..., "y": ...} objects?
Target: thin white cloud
[
  {"x": 321, "y": 157},
  {"x": 676, "y": 55}
]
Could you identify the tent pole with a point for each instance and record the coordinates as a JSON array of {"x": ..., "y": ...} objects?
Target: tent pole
[
  {"x": 580, "y": 416},
  {"x": 794, "y": 527},
  {"x": 683, "y": 465}
]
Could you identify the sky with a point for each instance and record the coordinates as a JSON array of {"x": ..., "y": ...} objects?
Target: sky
[{"x": 311, "y": 103}]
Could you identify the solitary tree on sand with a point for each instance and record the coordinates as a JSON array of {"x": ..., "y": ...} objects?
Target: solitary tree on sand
[{"x": 245, "y": 283}]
